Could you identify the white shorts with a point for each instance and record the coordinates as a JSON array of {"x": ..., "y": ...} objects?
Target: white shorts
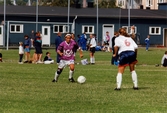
[{"x": 64, "y": 63}]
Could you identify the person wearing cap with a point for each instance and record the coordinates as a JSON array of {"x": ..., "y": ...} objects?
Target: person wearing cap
[{"x": 48, "y": 59}]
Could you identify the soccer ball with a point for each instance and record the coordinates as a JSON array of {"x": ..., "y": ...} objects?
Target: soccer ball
[{"x": 81, "y": 79}]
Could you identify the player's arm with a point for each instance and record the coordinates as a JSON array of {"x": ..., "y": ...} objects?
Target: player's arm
[
  {"x": 60, "y": 50},
  {"x": 80, "y": 52},
  {"x": 116, "y": 51}
]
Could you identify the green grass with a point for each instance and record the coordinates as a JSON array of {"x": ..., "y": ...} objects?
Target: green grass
[{"x": 28, "y": 88}]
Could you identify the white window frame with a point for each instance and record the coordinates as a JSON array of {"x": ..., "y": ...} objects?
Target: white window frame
[
  {"x": 15, "y": 27},
  {"x": 149, "y": 3},
  {"x": 155, "y": 29},
  {"x": 65, "y": 28},
  {"x": 130, "y": 31},
  {"x": 161, "y": 1},
  {"x": 88, "y": 27},
  {"x": 121, "y": 3}
]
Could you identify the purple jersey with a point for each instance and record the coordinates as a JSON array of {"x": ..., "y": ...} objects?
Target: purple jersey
[{"x": 68, "y": 50}]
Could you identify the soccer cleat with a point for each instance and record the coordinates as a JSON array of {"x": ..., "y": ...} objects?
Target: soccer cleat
[
  {"x": 54, "y": 80},
  {"x": 117, "y": 89},
  {"x": 135, "y": 88},
  {"x": 71, "y": 79},
  {"x": 25, "y": 61}
]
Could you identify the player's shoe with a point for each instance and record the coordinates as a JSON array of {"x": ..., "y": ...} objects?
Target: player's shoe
[
  {"x": 135, "y": 88},
  {"x": 71, "y": 79},
  {"x": 117, "y": 89},
  {"x": 54, "y": 80}
]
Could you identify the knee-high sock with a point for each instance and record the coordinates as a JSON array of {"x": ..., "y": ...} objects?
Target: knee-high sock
[
  {"x": 56, "y": 75},
  {"x": 119, "y": 80},
  {"x": 71, "y": 74},
  {"x": 93, "y": 59},
  {"x": 134, "y": 78}
]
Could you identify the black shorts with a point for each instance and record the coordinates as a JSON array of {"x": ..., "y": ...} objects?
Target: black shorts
[
  {"x": 92, "y": 49},
  {"x": 38, "y": 50},
  {"x": 127, "y": 57},
  {"x": 0, "y": 55}
]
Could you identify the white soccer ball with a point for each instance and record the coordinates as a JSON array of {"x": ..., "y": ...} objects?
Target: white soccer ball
[{"x": 81, "y": 79}]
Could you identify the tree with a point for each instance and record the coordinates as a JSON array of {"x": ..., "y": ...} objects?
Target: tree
[
  {"x": 60, "y": 3},
  {"x": 107, "y": 4}
]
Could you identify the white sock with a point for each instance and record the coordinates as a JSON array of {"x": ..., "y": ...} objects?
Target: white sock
[
  {"x": 71, "y": 74},
  {"x": 134, "y": 78},
  {"x": 56, "y": 76},
  {"x": 119, "y": 80},
  {"x": 93, "y": 60}
]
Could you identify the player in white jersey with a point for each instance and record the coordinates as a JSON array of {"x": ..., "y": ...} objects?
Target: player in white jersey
[{"x": 127, "y": 51}]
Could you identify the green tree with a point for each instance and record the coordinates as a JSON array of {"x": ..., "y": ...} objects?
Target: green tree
[
  {"x": 8, "y": 2},
  {"x": 60, "y": 3},
  {"x": 21, "y": 2},
  {"x": 107, "y": 4}
]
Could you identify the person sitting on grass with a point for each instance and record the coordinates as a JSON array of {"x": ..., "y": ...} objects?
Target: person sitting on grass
[
  {"x": 48, "y": 59},
  {"x": 164, "y": 60}
]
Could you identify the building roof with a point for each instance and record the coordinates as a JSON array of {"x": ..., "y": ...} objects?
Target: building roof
[{"x": 83, "y": 12}]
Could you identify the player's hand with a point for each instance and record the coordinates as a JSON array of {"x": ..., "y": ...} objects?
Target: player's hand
[
  {"x": 114, "y": 55},
  {"x": 61, "y": 54}
]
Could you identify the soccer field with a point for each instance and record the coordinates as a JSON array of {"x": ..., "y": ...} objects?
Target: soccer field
[{"x": 27, "y": 88}]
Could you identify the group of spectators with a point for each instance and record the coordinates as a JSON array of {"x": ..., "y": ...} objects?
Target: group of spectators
[{"x": 33, "y": 40}]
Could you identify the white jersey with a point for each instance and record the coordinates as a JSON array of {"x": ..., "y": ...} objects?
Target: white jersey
[
  {"x": 21, "y": 50},
  {"x": 93, "y": 42},
  {"x": 125, "y": 44}
]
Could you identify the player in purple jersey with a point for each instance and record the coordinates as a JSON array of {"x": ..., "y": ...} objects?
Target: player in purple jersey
[{"x": 66, "y": 51}]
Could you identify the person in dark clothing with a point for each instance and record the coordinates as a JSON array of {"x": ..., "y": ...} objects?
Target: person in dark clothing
[
  {"x": 27, "y": 45},
  {"x": 38, "y": 48},
  {"x": 114, "y": 59},
  {"x": 48, "y": 59},
  {"x": 0, "y": 57},
  {"x": 58, "y": 40}
]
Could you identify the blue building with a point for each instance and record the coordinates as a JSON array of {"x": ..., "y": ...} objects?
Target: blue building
[{"x": 20, "y": 20}]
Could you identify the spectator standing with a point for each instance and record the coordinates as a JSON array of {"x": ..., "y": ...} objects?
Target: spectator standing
[
  {"x": 21, "y": 52},
  {"x": 83, "y": 39},
  {"x": 58, "y": 40},
  {"x": 114, "y": 59},
  {"x": 27, "y": 45},
  {"x": 107, "y": 41},
  {"x": 38, "y": 47},
  {"x": 147, "y": 41},
  {"x": 32, "y": 37}
]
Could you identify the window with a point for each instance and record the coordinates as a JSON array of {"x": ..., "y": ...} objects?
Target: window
[
  {"x": 149, "y": 3},
  {"x": 60, "y": 28},
  {"x": 88, "y": 29},
  {"x": 121, "y": 2},
  {"x": 155, "y": 30},
  {"x": 130, "y": 30},
  {"x": 16, "y": 28},
  {"x": 161, "y": 1}
]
